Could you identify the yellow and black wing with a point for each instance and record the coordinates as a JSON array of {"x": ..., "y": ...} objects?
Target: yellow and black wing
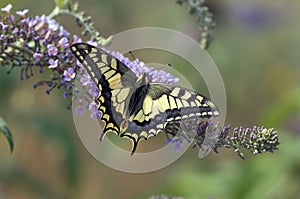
[
  {"x": 114, "y": 80},
  {"x": 164, "y": 106}
]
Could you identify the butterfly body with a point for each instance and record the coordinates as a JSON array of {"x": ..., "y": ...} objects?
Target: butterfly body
[
  {"x": 139, "y": 94},
  {"x": 135, "y": 108}
]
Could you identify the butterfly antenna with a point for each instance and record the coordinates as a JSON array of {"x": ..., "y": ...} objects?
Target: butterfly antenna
[
  {"x": 134, "y": 58},
  {"x": 131, "y": 54}
]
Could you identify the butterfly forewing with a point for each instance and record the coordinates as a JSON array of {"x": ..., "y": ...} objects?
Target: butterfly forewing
[{"x": 114, "y": 80}]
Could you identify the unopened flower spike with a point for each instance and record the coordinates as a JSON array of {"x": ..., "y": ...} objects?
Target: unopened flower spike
[{"x": 256, "y": 140}]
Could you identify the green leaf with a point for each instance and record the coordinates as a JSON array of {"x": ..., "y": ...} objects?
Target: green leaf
[{"x": 6, "y": 132}]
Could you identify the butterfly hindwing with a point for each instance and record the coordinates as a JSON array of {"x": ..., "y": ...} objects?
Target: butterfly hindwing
[{"x": 165, "y": 106}]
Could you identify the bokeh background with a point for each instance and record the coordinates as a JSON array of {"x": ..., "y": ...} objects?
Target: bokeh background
[{"x": 256, "y": 49}]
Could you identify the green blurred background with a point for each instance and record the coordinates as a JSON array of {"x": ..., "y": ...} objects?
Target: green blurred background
[{"x": 256, "y": 49}]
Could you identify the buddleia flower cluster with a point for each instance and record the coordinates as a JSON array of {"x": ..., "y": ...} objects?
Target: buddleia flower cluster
[{"x": 39, "y": 43}]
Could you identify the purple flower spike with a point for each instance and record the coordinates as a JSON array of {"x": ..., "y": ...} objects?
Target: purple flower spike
[
  {"x": 52, "y": 63},
  {"x": 69, "y": 74},
  {"x": 167, "y": 141},
  {"x": 93, "y": 91},
  {"x": 85, "y": 80},
  {"x": 93, "y": 107},
  {"x": 37, "y": 56},
  {"x": 66, "y": 94},
  {"x": 63, "y": 32},
  {"x": 95, "y": 115},
  {"x": 52, "y": 50},
  {"x": 63, "y": 42},
  {"x": 53, "y": 25},
  {"x": 177, "y": 146},
  {"x": 79, "y": 110},
  {"x": 76, "y": 39},
  {"x": 4, "y": 27}
]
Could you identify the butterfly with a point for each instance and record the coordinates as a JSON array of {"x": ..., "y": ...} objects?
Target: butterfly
[{"x": 135, "y": 108}]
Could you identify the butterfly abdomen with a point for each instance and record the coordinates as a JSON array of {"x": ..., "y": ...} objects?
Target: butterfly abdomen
[{"x": 137, "y": 99}]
